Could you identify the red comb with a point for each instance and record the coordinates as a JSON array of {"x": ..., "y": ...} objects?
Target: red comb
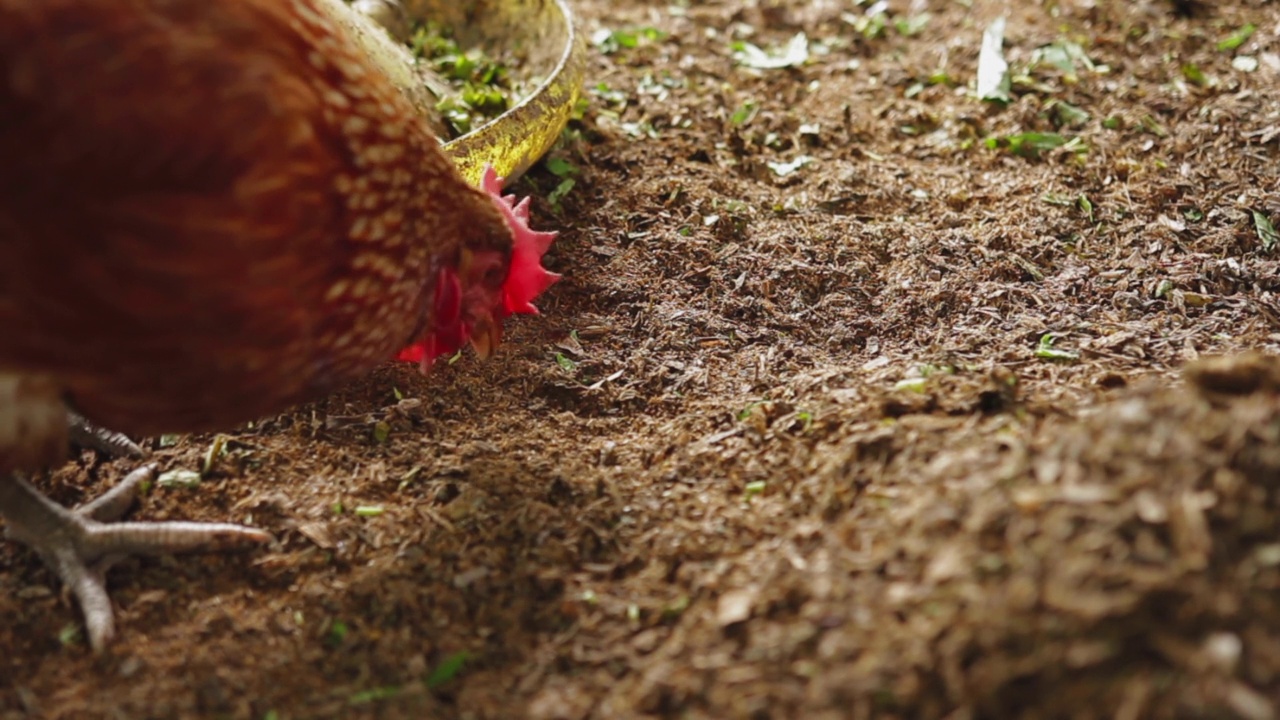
[{"x": 526, "y": 278}]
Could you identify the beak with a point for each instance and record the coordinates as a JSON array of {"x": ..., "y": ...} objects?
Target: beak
[{"x": 486, "y": 336}]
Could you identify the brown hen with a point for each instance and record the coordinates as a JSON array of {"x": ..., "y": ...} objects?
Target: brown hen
[{"x": 210, "y": 211}]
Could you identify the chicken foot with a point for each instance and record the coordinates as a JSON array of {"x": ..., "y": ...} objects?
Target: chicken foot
[
  {"x": 81, "y": 544},
  {"x": 85, "y": 434}
]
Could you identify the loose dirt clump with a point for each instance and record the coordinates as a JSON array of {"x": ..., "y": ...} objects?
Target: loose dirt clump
[{"x": 861, "y": 397}]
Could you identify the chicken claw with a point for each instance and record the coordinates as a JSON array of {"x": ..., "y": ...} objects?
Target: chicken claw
[
  {"x": 85, "y": 434},
  {"x": 80, "y": 545}
]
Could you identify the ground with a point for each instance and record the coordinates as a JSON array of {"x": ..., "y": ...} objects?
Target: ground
[{"x": 920, "y": 428}]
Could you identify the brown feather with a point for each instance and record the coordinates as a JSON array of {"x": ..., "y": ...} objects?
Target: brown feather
[{"x": 211, "y": 210}]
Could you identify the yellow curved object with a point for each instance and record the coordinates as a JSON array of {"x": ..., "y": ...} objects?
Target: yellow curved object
[{"x": 542, "y": 34}]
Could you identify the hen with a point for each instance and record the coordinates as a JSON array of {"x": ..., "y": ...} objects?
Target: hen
[{"x": 209, "y": 212}]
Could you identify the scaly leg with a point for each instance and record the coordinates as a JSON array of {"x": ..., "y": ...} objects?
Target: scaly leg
[
  {"x": 80, "y": 545},
  {"x": 87, "y": 435}
]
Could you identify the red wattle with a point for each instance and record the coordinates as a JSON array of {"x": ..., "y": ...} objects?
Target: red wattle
[{"x": 526, "y": 279}]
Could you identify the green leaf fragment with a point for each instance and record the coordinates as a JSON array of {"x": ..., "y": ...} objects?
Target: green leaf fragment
[
  {"x": 555, "y": 196},
  {"x": 458, "y": 116},
  {"x": 448, "y": 669},
  {"x": 612, "y": 41},
  {"x": 215, "y": 451},
  {"x": 745, "y": 412},
  {"x": 1266, "y": 231},
  {"x": 364, "y": 697},
  {"x": 1237, "y": 38},
  {"x": 1046, "y": 351},
  {"x": 1085, "y": 206},
  {"x": 337, "y": 633},
  {"x": 1031, "y": 145},
  {"x": 1064, "y": 56},
  {"x": 560, "y": 167},
  {"x": 609, "y": 95},
  {"x": 1068, "y": 115},
  {"x": 911, "y": 25},
  {"x": 676, "y": 608},
  {"x": 744, "y": 112},
  {"x": 1195, "y": 75},
  {"x": 184, "y": 479},
  {"x": 487, "y": 98},
  {"x": 1153, "y": 126},
  {"x": 870, "y": 26},
  {"x": 69, "y": 634},
  {"x": 929, "y": 370},
  {"x": 482, "y": 84},
  {"x": 915, "y": 385}
]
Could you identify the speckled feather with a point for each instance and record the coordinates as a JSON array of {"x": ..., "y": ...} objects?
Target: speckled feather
[{"x": 210, "y": 211}]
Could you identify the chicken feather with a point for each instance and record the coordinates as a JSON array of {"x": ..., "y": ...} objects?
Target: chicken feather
[{"x": 209, "y": 212}]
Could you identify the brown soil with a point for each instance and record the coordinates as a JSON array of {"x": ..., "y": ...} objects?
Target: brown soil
[{"x": 721, "y": 501}]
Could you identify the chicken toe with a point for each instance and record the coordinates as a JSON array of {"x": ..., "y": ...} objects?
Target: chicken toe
[
  {"x": 85, "y": 434},
  {"x": 80, "y": 545}
]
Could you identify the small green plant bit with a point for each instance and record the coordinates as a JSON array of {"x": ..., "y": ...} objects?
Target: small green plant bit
[{"x": 482, "y": 86}]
